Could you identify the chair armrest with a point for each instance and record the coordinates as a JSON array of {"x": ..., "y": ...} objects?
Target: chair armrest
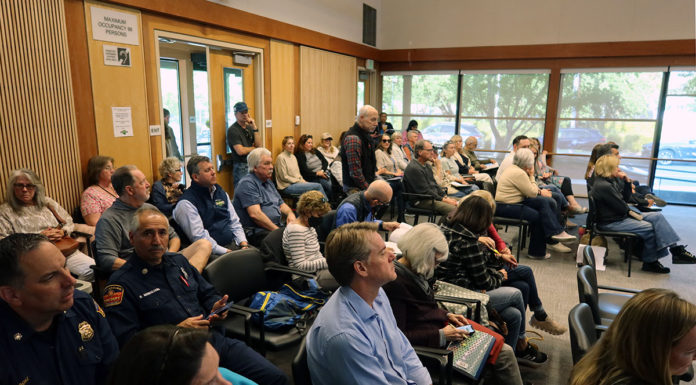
[
  {"x": 247, "y": 312},
  {"x": 476, "y": 317},
  {"x": 620, "y": 289},
  {"x": 416, "y": 195},
  {"x": 76, "y": 234},
  {"x": 288, "y": 269}
]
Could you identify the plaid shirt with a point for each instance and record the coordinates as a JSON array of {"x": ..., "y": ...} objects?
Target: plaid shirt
[
  {"x": 467, "y": 265},
  {"x": 354, "y": 154}
]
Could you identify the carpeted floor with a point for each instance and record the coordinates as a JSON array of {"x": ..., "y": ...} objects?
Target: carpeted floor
[{"x": 556, "y": 280}]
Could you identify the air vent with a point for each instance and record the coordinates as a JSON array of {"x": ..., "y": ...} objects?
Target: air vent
[{"x": 369, "y": 25}]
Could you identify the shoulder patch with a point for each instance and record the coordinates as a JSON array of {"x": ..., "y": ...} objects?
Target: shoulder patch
[
  {"x": 99, "y": 309},
  {"x": 113, "y": 295}
]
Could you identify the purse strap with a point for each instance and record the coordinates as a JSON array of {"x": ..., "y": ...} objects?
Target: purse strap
[{"x": 55, "y": 214}]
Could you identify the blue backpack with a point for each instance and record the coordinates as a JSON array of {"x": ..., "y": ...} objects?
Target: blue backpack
[{"x": 288, "y": 307}]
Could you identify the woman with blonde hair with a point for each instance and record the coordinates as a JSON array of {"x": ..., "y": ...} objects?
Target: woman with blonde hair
[
  {"x": 300, "y": 241},
  {"x": 651, "y": 339},
  {"x": 612, "y": 213},
  {"x": 166, "y": 191}
]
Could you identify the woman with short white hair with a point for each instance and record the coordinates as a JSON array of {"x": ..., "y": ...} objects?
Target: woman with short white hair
[
  {"x": 167, "y": 191},
  {"x": 516, "y": 186}
]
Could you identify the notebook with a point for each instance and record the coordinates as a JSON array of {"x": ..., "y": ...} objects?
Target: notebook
[{"x": 470, "y": 355}]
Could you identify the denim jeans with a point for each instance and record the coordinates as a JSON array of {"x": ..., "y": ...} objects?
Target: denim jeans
[
  {"x": 537, "y": 241},
  {"x": 557, "y": 195},
  {"x": 507, "y": 301},
  {"x": 239, "y": 171},
  {"x": 656, "y": 232},
  {"x": 464, "y": 191},
  {"x": 300, "y": 188},
  {"x": 522, "y": 277}
]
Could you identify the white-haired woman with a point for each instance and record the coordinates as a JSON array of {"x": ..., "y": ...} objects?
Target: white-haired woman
[
  {"x": 416, "y": 311},
  {"x": 516, "y": 186},
  {"x": 166, "y": 191},
  {"x": 27, "y": 209}
]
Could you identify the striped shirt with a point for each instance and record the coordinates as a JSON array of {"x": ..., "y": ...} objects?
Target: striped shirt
[{"x": 301, "y": 247}]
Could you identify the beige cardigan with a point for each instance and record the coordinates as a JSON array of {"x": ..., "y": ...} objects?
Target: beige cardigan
[
  {"x": 514, "y": 185},
  {"x": 287, "y": 171}
]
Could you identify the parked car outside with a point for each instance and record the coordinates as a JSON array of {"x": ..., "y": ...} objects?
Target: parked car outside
[
  {"x": 577, "y": 139},
  {"x": 671, "y": 151}
]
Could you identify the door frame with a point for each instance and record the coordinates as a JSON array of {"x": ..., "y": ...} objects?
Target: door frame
[{"x": 257, "y": 64}]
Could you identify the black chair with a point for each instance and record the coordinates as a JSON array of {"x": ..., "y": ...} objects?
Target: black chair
[
  {"x": 604, "y": 306},
  {"x": 300, "y": 367},
  {"x": 272, "y": 247},
  {"x": 328, "y": 223},
  {"x": 431, "y": 213},
  {"x": 627, "y": 239},
  {"x": 240, "y": 274},
  {"x": 584, "y": 333},
  {"x": 522, "y": 225}
]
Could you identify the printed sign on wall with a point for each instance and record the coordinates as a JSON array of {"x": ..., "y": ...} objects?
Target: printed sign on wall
[
  {"x": 123, "y": 122},
  {"x": 114, "y": 26},
  {"x": 117, "y": 56}
]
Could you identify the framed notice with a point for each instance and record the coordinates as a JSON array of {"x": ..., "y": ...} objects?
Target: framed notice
[
  {"x": 117, "y": 56},
  {"x": 123, "y": 121}
]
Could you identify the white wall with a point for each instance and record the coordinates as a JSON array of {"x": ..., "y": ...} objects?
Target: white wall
[
  {"x": 470, "y": 23},
  {"x": 338, "y": 18}
]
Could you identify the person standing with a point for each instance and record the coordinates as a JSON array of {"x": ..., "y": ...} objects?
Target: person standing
[
  {"x": 169, "y": 138},
  {"x": 242, "y": 137},
  {"x": 358, "y": 152}
]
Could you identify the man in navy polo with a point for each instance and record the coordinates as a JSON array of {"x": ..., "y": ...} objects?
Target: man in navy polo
[
  {"x": 50, "y": 333},
  {"x": 257, "y": 200},
  {"x": 204, "y": 210}
]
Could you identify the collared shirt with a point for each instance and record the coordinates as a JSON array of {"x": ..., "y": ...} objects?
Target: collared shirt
[
  {"x": 111, "y": 234},
  {"x": 188, "y": 218},
  {"x": 507, "y": 162},
  {"x": 353, "y": 343},
  {"x": 139, "y": 295},
  {"x": 77, "y": 350},
  {"x": 252, "y": 191}
]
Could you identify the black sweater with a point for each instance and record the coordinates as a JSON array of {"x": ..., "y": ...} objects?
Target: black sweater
[{"x": 610, "y": 200}]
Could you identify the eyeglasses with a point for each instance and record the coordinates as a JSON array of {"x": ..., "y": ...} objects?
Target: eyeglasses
[
  {"x": 22, "y": 186},
  {"x": 328, "y": 139},
  {"x": 386, "y": 140}
]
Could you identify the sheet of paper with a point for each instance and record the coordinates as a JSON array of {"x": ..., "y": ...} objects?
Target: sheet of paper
[{"x": 599, "y": 253}]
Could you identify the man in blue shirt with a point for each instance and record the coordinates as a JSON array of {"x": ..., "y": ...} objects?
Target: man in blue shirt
[
  {"x": 257, "y": 201},
  {"x": 361, "y": 206},
  {"x": 205, "y": 210},
  {"x": 50, "y": 333},
  {"x": 155, "y": 287},
  {"x": 355, "y": 339}
]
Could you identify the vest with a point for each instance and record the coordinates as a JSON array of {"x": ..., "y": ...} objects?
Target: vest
[
  {"x": 214, "y": 212},
  {"x": 367, "y": 159},
  {"x": 358, "y": 201}
]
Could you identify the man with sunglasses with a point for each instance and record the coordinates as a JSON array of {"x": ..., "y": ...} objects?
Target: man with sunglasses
[
  {"x": 361, "y": 207},
  {"x": 50, "y": 333}
]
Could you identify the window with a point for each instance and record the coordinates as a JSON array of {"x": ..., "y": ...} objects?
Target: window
[
  {"x": 234, "y": 92},
  {"x": 169, "y": 73},
  {"x": 498, "y": 106},
  {"x": 675, "y": 171},
  {"x": 200, "y": 100}
]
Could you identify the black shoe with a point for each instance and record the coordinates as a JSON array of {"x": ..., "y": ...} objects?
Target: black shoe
[
  {"x": 531, "y": 356},
  {"x": 680, "y": 255},
  {"x": 655, "y": 267}
]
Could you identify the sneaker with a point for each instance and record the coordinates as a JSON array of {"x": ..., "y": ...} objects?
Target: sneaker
[
  {"x": 559, "y": 248},
  {"x": 655, "y": 267},
  {"x": 658, "y": 201},
  {"x": 547, "y": 256},
  {"x": 577, "y": 210},
  {"x": 531, "y": 356},
  {"x": 682, "y": 256},
  {"x": 563, "y": 237},
  {"x": 571, "y": 225},
  {"x": 548, "y": 325}
]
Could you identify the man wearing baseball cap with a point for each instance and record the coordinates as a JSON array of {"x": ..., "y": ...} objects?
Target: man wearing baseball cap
[{"x": 242, "y": 137}]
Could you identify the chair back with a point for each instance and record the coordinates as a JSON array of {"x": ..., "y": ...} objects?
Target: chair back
[
  {"x": 588, "y": 257},
  {"x": 272, "y": 247},
  {"x": 300, "y": 368},
  {"x": 239, "y": 274},
  {"x": 328, "y": 223},
  {"x": 587, "y": 291},
  {"x": 582, "y": 330}
]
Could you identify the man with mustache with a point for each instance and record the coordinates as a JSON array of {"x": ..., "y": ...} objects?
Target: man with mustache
[
  {"x": 156, "y": 287},
  {"x": 50, "y": 333}
]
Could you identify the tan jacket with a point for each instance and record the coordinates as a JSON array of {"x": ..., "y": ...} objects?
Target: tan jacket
[{"x": 514, "y": 185}]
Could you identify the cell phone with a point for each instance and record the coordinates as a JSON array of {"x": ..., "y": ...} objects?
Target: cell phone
[
  {"x": 467, "y": 328},
  {"x": 220, "y": 310}
]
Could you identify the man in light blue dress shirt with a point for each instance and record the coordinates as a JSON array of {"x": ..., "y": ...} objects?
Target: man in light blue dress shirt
[{"x": 355, "y": 339}]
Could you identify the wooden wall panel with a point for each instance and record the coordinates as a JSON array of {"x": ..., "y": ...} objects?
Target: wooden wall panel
[
  {"x": 329, "y": 92},
  {"x": 282, "y": 93},
  {"x": 114, "y": 86},
  {"x": 37, "y": 114}
]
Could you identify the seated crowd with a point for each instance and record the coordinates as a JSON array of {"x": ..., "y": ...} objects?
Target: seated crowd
[{"x": 154, "y": 245}]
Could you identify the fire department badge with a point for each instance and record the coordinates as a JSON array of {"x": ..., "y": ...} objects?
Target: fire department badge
[{"x": 85, "y": 330}]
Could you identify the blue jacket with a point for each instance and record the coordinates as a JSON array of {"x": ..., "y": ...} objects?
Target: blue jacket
[
  {"x": 79, "y": 351},
  {"x": 213, "y": 211},
  {"x": 139, "y": 295}
]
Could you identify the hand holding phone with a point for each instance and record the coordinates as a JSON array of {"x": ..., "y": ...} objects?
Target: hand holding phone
[
  {"x": 467, "y": 328},
  {"x": 220, "y": 310}
]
